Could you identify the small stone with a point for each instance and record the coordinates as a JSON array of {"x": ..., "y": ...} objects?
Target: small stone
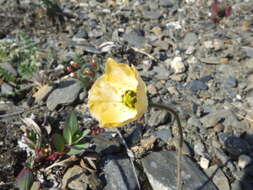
[
  {"x": 190, "y": 50},
  {"x": 236, "y": 146},
  {"x": 152, "y": 89},
  {"x": 204, "y": 163},
  {"x": 166, "y": 3},
  {"x": 218, "y": 128},
  {"x": 135, "y": 38},
  {"x": 190, "y": 39},
  {"x": 158, "y": 118},
  {"x": 218, "y": 44},
  {"x": 9, "y": 68},
  {"x": 243, "y": 161},
  {"x": 231, "y": 82},
  {"x": 6, "y": 88},
  {"x": 249, "y": 51},
  {"x": 199, "y": 149},
  {"x": 177, "y": 65},
  {"x": 75, "y": 178},
  {"x": 151, "y": 14},
  {"x": 197, "y": 85},
  {"x": 163, "y": 134},
  {"x": 208, "y": 44}
]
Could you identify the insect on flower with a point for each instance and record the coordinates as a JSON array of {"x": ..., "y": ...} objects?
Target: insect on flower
[{"x": 118, "y": 96}]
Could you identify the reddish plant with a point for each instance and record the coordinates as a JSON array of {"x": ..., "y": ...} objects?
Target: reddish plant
[{"x": 220, "y": 10}]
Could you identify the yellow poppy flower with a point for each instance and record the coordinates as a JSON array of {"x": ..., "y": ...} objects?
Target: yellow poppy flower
[{"x": 119, "y": 96}]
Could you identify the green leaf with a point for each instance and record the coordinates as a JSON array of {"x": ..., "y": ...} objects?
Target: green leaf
[
  {"x": 83, "y": 134},
  {"x": 24, "y": 179},
  {"x": 76, "y": 149},
  {"x": 59, "y": 142},
  {"x": 71, "y": 127}
]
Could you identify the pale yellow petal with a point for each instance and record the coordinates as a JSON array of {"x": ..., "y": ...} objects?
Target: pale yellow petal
[
  {"x": 114, "y": 114},
  {"x": 122, "y": 75}
]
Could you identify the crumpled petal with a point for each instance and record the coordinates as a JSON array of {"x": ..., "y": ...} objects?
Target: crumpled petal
[{"x": 105, "y": 96}]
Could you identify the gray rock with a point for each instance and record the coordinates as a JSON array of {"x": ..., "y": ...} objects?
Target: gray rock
[
  {"x": 194, "y": 122},
  {"x": 75, "y": 178},
  {"x": 197, "y": 85},
  {"x": 218, "y": 177},
  {"x": 9, "y": 68},
  {"x": 160, "y": 168},
  {"x": 190, "y": 39},
  {"x": 135, "y": 136},
  {"x": 249, "y": 51},
  {"x": 236, "y": 146},
  {"x": 158, "y": 118},
  {"x": 135, "y": 38},
  {"x": 89, "y": 49},
  {"x": 166, "y": 3},
  {"x": 231, "y": 82},
  {"x": 199, "y": 148},
  {"x": 6, "y": 88},
  {"x": 162, "y": 73},
  {"x": 119, "y": 174},
  {"x": 105, "y": 144},
  {"x": 65, "y": 94},
  {"x": 213, "y": 118},
  {"x": 151, "y": 14},
  {"x": 95, "y": 33},
  {"x": 163, "y": 134}
]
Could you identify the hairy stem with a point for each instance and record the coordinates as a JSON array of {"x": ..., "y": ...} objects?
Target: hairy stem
[{"x": 180, "y": 143}]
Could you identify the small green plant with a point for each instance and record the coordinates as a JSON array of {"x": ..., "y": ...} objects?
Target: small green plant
[
  {"x": 22, "y": 53},
  {"x": 73, "y": 139}
]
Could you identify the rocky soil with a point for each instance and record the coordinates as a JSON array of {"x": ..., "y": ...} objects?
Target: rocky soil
[{"x": 194, "y": 55}]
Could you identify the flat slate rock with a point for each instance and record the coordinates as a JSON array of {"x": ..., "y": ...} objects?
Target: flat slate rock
[
  {"x": 160, "y": 168},
  {"x": 119, "y": 174},
  {"x": 65, "y": 94}
]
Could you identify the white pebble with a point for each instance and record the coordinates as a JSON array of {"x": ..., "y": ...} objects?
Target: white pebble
[
  {"x": 204, "y": 163},
  {"x": 208, "y": 44},
  {"x": 243, "y": 161},
  {"x": 177, "y": 65}
]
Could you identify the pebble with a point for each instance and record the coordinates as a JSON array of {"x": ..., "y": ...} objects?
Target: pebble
[
  {"x": 197, "y": 85},
  {"x": 243, "y": 161},
  {"x": 151, "y": 14},
  {"x": 190, "y": 39},
  {"x": 6, "y": 88},
  {"x": 204, "y": 163},
  {"x": 158, "y": 118},
  {"x": 219, "y": 127},
  {"x": 199, "y": 148},
  {"x": 135, "y": 38},
  {"x": 177, "y": 65},
  {"x": 65, "y": 94},
  {"x": 231, "y": 82},
  {"x": 9, "y": 68},
  {"x": 163, "y": 134}
]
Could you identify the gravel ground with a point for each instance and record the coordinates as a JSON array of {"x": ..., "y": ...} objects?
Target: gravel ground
[{"x": 194, "y": 55}]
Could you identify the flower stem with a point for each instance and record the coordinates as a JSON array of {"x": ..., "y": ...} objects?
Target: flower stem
[
  {"x": 131, "y": 157},
  {"x": 180, "y": 143}
]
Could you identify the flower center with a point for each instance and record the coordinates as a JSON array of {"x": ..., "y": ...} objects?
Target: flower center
[{"x": 129, "y": 98}]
